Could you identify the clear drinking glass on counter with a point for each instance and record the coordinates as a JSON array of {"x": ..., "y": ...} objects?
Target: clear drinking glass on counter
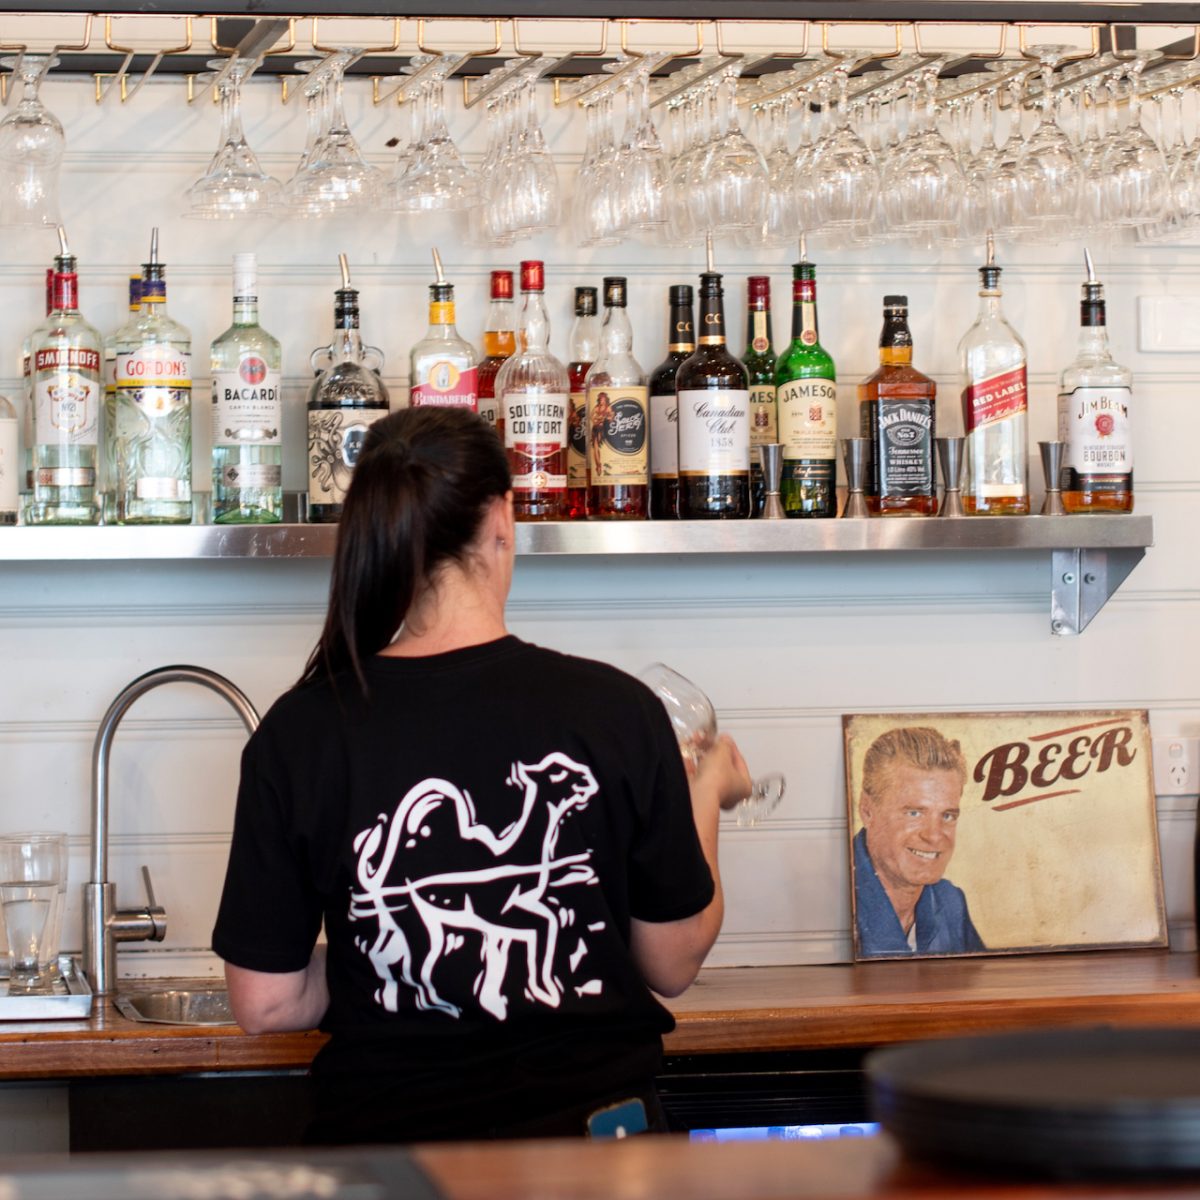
[{"x": 33, "y": 886}]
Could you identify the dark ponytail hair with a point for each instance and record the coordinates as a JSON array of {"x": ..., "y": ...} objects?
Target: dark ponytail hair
[{"x": 417, "y": 498}]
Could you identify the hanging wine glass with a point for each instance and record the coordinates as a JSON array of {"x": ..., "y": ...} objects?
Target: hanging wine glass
[{"x": 31, "y": 150}]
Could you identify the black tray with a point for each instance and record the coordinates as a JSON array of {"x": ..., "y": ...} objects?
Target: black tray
[{"x": 1067, "y": 1102}]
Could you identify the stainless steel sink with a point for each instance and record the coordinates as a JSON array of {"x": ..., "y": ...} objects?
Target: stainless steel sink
[{"x": 178, "y": 1007}]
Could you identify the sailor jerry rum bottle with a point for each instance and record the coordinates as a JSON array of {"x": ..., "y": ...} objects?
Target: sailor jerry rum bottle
[
  {"x": 713, "y": 393},
  {"x": 534, "y": 396},
  {"x": 499, "y": 341},
  {"x": 443, "y": 370},
  {"x": 806, "y": 390},
  {"x": 617, "y": 421},
  {"x": 995, "y": 407},
  {"x": 584, "y": 347},
  {"x": 759, "y": 361},
  {"x": 896, "y": 415},
  {"x": 664, "y": 407},
  {"x": 1093, "y": 416}
]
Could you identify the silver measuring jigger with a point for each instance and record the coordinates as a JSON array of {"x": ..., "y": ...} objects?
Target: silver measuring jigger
[
  {"x": 1052, "y": 454},
  {"x": 770, "y": 458},
  {"x": 950, "y": 458},
  {"x": 856, "y": 452}
]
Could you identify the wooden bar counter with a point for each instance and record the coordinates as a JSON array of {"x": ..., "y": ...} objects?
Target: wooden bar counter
[{"x": 760, "y": 1009}]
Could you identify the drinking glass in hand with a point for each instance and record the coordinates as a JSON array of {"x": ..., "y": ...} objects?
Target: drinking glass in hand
[
  {"x": 32, "y": 880},
  {"x": 695, "y": 723}
]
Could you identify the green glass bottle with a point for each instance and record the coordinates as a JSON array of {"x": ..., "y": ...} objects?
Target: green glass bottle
[
  {"x": 806, "y": 391},
  {"x": 759, "y": 360}
]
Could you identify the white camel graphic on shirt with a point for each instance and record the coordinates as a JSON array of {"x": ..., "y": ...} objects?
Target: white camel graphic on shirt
[{"x": 505, "y": 903}]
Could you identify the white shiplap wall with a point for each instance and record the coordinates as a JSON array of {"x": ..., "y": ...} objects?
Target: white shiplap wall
[{"x": 785, "y": 646}]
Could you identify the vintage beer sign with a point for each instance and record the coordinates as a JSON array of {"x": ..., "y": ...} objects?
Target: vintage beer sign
[{"x": 1002, "y": 833}]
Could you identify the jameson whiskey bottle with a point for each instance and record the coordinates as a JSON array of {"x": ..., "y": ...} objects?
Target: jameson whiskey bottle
[
  {"x": 247, "y": 415},
  {"x": 806, "y": 387},
  {"x": 534, "y": 396},
  {"x": 584, "y": 347},
  {"x": 896, "y": 415},
  {"x": 664, "y": 406},
  {"x": 345, "y": 400},
  {"x": 995, "y": 407},
  {"x": 713, "y": 393},
  {"x": 759, "y": 361},
  {"x": 617, "y": 420},
  {"x": 499, "y": 341},
  {"x": 1093, "y": 416},
  {"x": 68, "y": 392},
  {"x": 443, "y": 369}
]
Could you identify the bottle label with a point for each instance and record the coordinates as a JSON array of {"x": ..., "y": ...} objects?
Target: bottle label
[
  {"x": 335, "y": 438},
  {"x": 447, "y": 385},
  {"x": 996, "y": 398},
  {"x": 66, "y": 396},
  {"x": 577, "y": 461},
  {"x": 251, "y": 475},
  {"x": 764, "y": 415},
  {"x": 1094, "y": 424},
  {"x": 157, "y": 378},
  {"x": 489, "y": 409},
  {"x": 714, "y": 432},
  {"x": 247, "y": 404},
  {"x": 903, "y": 441},
  {"x": 9, "y": 466},
  {"x": 664, "y": 436},
  {"x": 154, "y": 487},
  {"x": 617, "y": 425},
  {"x": 535, "y": 435},
  {"x": 808, "y": 419},
  {"x": 759, "y": 342}
]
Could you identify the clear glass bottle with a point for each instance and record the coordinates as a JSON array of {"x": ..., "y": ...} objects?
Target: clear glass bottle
[
  {"x": 995, "y": 407},
  {"x": 760, "y": 362},
  {"x": 107, "y": 467},
  {"x": 10, "y": 463},
  {"x": 534, "y": 393},
  {"x": 499, "y": 342},
  {"x": 68, "y": 392},
  {"x": 584, "y": 345},
  {"x": 443, "y": 367},
  {"x": 247, "y": 412},
  {"x": 344, "y": 401},
  {"x": 1094, "y": 399},
  {"x": 27, "y": 434},
  {"x": 664, "y": 406},
  {"x": 617, "y": 418},
  {"x": 154, "y": 410}
]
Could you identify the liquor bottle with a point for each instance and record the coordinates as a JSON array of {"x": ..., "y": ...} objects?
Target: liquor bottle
[
  {"x": 27, "y": 434},
  {"x": 995, "y": 407},
  {"x": 443, "y": 369},
  {"x": 107, "y": 466},
  {"x": 534, "y": 396},
  {"x": 664, "y": 406},
  {"x": 584, "y": 345},
  {"x": 10, "y": 463},
  {"x": 617, "y": 420},
  {"x": 154, "y": 410},
  {"x": 806, "y": 386},
  {"x": 896, "y": 412},
  {"x": 1093, "y": 415},
  {"x": 499, "y": 341},
  {"x": 759, "y": 360},
  {"x": 68, "y": 390},
  {"x": 247, "y": 412},
  {"x": 345, "y": 399},
  {"x": 713, "y": 393}
]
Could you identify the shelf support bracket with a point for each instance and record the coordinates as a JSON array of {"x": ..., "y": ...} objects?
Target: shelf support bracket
[{"x": 1081, "y": 583}]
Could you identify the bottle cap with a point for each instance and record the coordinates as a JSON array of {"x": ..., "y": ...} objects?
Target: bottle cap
[
  {"x": 895, "y": 302},
  {"x": 681, "y": 294},
  {"x": 502, "y": 285},
  {"x": 759, "y": 287},
  {"x": 710, "y": 284},
  {"x": 614, "y": 291},
  {"x": 245, "y": 275},
  {"x": 135, "y": 291},
  {"x": 533, "y": 275},
  {"x": 585, "y": 301},
  {"x": 804, "y": 272},
  {"x": 441, "y": 293}
]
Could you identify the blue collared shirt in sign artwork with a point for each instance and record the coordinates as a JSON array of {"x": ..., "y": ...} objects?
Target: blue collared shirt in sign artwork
[{"x": 943, "y": 920}]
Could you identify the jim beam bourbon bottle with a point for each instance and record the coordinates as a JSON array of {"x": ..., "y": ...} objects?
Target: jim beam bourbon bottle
[
  {"x": 534, "y": 393},
  {"x": 664, "y": 406},
  {"x": 995, "y": 407},
  {"x": 1094, "y": 399},
  {"x": 896, "y": 415},
  {"x": 759, "y": 361},
  {"x": 584, "y": 347},
  {"x": 499, "y": 341}
]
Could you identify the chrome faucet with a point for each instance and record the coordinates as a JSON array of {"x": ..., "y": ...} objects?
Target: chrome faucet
[{"x": 104, "y": 925}]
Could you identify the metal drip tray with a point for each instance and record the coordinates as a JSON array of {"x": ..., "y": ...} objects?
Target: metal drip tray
[
  {"x": 64, "y": 996},
  {"x": 178, "y": 1007}
]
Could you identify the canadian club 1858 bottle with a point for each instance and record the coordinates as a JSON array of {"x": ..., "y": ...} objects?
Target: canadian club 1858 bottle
[
  {"x": 664, "y": 408},
  {"x": 713, "y": 394}
]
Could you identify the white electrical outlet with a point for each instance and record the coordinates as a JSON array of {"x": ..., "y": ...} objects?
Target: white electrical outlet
[{"x": 1176, "y": 766}]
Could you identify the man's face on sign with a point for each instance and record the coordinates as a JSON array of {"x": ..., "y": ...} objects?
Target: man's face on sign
[{"x": 911, "y": 825}]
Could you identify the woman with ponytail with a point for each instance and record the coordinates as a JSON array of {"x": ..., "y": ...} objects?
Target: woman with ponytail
[{"x": 499, "y": 840}]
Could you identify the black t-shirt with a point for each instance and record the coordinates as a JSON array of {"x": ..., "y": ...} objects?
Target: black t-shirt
[{"x": 476, "y": 835}]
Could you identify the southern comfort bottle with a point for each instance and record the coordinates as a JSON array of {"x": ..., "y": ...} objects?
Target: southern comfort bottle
[
  {"x": 664, "y": 406},
  {"x": 896, "y": 415},
  {"x": 499, "y": 341},
  {"x": 995, "y": 407},
  {"x": 584, "y": 346},
  {"x": 759, "y": 361}
]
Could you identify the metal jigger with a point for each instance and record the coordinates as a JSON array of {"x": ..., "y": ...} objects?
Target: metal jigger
[
  {"x": 770, "y": 458},
  {"x": 856, "y": 452},
  {"x": 950, "y": 457},
  {"x": 1052, "y": 453}
]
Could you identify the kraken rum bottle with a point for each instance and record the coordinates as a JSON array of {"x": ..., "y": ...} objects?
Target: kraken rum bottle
[
  {"x": 664, "y": 406},
  {"x": 499, "y": 341},
  {"x": 584, "y": 345},
  {"x": 759, "y": 360}
]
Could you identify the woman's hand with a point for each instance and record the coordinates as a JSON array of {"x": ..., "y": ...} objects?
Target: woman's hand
[{"x": 723, "y": 771}]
